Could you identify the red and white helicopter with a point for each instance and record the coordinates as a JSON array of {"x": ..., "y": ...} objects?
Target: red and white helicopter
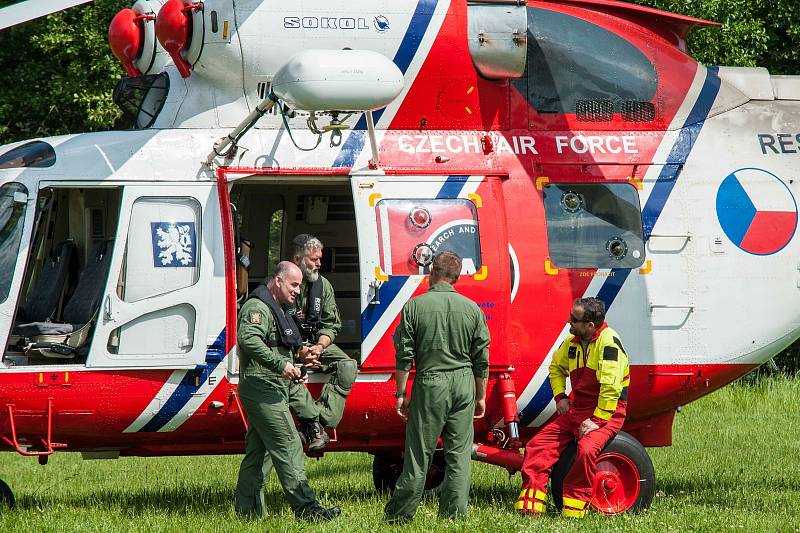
[{"x": 565, "y": 148}]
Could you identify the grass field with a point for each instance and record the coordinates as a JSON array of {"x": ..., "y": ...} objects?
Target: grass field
[{"x": 734, "y": 465}]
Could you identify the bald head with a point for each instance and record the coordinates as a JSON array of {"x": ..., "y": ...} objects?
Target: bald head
[{"x": 285, "y": 282}]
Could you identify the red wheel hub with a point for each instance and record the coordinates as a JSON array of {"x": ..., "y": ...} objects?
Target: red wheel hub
[{"x": 616, "y": 484}]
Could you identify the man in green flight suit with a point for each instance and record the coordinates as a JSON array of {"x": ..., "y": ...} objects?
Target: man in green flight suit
[
  {"x": 445, "y": 335},
  {"x": 318, "y": 317},
  {"x": 268, "y": 342}
]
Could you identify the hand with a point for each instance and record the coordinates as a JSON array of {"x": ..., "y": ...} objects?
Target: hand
[
  {"x": 587, "y": 426},
  {"x": 291, "y": 372},
  {"x": 402, "y": 407},
  {"x": 563, "y": 405},
  {"x": 317, "y": 349},
  {"x": 480, "y": 408},
  {"x": 308, "y": 357}
]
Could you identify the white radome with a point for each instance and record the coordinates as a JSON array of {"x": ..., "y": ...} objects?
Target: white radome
[{"x": 338, "y": 80}]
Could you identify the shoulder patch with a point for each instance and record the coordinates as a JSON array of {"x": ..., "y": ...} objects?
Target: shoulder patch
[
  {"x": 610, "y": 353},
  {"x": 572, "y": 352},
  {"x": 619, "y": 343},
  {"x": 254, "y": 317}
]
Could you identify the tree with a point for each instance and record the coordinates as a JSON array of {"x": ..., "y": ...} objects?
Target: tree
[
  {"x": 762, "y": 33},
  {"x": 57, "y": 73}
]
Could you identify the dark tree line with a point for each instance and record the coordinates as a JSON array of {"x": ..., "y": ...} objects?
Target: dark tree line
[{"x": 57, "y": 73}]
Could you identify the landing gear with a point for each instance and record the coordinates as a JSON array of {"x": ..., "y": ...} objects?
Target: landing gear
[
  {"x": 624, "y": 480},
  {"x": 6, "y": 496},
  {"x": 386, "y": 469}
]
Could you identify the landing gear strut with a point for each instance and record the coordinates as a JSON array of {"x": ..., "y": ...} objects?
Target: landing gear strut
[{"x": 386, "y": 469}]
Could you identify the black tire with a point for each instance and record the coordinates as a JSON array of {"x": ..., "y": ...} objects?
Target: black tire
[
  {"x": 386, "y": 469},
  {"x": 6, "y": 496},
  {"x": 625, "y": 445}
]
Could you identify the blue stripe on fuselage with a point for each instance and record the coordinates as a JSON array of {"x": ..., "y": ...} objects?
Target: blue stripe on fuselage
[
  {"x": 650, "y": 213},
  {"x": 420, "y": 20},
  {"x": 668, "y": 176},
  {"x": 451, "y": 188},
  {"x": 183, "y": 393}
]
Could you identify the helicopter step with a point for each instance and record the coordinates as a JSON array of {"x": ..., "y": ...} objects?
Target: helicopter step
[{"x": 48, "y": 446}]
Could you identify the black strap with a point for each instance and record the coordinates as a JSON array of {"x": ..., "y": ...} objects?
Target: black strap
[
  {"x": 287, "y": 328},
  {"x": 314, "y": 300}
]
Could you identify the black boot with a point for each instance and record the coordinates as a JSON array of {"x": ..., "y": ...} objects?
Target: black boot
[
  {"x": 314, "y": 434},
  {"x": 317, "y": 513}
]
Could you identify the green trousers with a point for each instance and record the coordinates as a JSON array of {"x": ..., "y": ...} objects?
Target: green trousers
[
  {"x": 442, "y": 404},
  {"x": 329, "y": 407},
  {"x": 271, "y": 440}
]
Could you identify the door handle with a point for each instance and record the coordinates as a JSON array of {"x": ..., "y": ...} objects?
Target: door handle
[
  {"x": 107, "y": 311},
  {"x": 375, "y": 285}
]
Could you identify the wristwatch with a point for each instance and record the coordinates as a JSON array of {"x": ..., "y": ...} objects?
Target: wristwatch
[{"x": 399, "y": 394}]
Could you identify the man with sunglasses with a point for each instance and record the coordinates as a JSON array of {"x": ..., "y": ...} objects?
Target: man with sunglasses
[{"x": 593, "y": 359}]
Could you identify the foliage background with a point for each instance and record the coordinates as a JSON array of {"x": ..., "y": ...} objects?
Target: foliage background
[{"x": 57, "y": 73}]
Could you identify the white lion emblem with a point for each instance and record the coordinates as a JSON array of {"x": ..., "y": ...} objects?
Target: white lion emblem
[{"x": 176, "y": 243}]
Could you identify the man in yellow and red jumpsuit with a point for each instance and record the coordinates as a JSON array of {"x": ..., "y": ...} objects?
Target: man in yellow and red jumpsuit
[{"x": 597, "y": 366}]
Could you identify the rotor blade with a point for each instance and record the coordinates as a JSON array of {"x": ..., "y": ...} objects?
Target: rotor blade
[{"x": 31, "y": 9}]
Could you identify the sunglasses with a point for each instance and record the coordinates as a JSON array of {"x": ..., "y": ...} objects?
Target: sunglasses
[{"x": 574, "y": 320}]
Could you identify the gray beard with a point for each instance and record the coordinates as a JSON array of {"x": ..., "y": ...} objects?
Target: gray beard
[{"x": 309, "y": 274}]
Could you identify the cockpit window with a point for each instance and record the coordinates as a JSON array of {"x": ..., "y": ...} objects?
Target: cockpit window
[
  {"x": 575, "y": 66},
  {"x": 37, "y": 154},
  {"x": 594, "y": 225},
  {"x": 13, "y": 202},
  {"x": 141, "y": 99}
]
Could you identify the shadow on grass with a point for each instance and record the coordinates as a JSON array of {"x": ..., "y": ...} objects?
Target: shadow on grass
[
  {"x": 324, "y": 470},
  {"x": 200, "y": 499},
  {"x": 178, "y": 500},
  {"x": 194, "y": 499},
  {"x": 708, "y": 490}
]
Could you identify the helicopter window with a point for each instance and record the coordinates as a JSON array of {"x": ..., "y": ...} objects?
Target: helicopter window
[
  {"x": 411, "y": 232},
  {"x": 594, "y": 225},
  {"x": 13, "y": 201},
  {"x": 37, "y": 154},
  {"x": 162, "y": 253},
  {"x": 575, "y": 66},
  {"x": 274, "y": 240},
  {"x": 141, "y": 99}
]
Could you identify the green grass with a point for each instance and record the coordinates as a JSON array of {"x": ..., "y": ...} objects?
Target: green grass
[{"x": 734, "y": 466}]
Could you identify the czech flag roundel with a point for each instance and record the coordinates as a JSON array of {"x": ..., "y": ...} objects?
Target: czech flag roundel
[{"x": 757, "y": 211}]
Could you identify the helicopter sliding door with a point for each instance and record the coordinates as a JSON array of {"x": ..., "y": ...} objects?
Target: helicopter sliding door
[
  {"x": 155, "y": 308},
  {"x": 403, "y": 222},
  {"x": 16, "y": 219}
]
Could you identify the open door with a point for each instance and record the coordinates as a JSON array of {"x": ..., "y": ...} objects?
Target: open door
[
  {"x": 155, "y": 308},
  {"x": 403, "y": 222},
  {"x": 16, "y": 220}
]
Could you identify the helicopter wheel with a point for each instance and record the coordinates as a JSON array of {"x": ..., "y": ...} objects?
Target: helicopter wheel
[
  {"x": 6, "y": 496},
  {"x": 386, "y": 469},
  {"x": 624, "y": 479}
]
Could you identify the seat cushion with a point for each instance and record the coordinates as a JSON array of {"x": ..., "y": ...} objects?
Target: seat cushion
[{"x": 34, "y": 329}]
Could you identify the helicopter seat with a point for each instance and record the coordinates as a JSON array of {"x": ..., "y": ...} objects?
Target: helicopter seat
[
  {"x": 70, "y": 338},
  {"x": 44, "y": 300}
]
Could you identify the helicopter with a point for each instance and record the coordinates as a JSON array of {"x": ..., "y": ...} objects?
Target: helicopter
[{"x": 563, "y": 148}]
